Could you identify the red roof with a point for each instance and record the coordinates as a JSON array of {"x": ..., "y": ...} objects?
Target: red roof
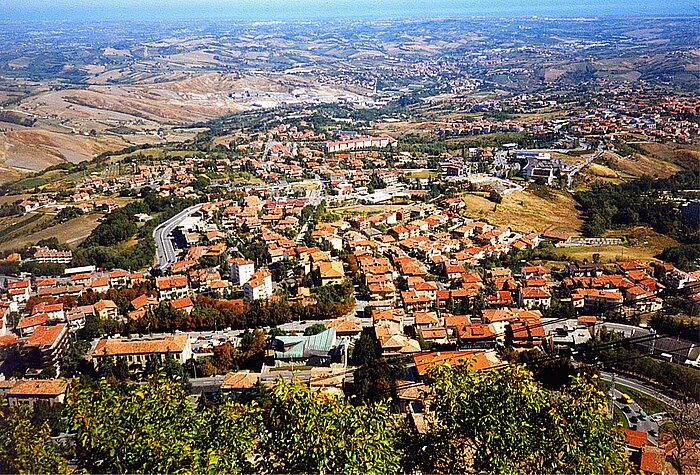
[{"x": 46, "y": 336}]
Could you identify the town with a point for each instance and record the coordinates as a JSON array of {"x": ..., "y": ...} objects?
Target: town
[{"x": 433, "y": 235}]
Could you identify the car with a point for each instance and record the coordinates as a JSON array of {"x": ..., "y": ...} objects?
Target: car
[
  {"x": 633, "y": 419},
  {"x": 653, "y": 433},
  {"x": 643, "y": 416},
  {"x": 633, "y": 427},
  {"x": 626, "y": 408}
]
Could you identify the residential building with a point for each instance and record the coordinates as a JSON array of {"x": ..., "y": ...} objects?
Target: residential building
[
  {"x": 32, "y": 391},
  {"x": 138, "y": 352}
]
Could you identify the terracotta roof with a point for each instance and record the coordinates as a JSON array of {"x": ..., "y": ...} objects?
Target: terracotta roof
[
  {"x": 113, "y": 346},
  {"x": 240, "y": 380},
  {"x": 143, "y": 301},
  {"x": 8, "y": 340},
  {"x": 184, "y": 302},
  {"x": 171, "y": 282},
  {"x": 33, "y": 321},
  {"x": 635, "y": 438},
  {"x": 480, "y": 360},
  {"x": 38, "y": 387},
  {"x": 650, "y": 461},
  {"x": 46, "y": 335},
  {"x": 331, "y": 270},
  {"x": 104, "y": 304}
]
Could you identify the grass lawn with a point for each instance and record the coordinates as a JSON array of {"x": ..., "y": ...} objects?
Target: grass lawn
[
  {"x": 423, "y": 174},
  {"x": 644, "y": 245}
]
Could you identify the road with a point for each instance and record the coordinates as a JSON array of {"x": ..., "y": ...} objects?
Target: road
[
  {"x": 641, "y": 387},
  {"x": 636, "y": 418},
  {"x": 578, "y": 168},
  {"x": 165, "y": 251}
]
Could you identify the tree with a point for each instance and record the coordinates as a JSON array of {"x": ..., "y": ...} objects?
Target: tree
[
  {"x": 25, "y": 447},
  {"x": 74, "y": 362},
  {"x": 376, "y": 380},
  {"x": 315, "y": 329},
  {"x": 153, "y": 429},
  {"x": 312, "y": 433},
  {"x": 504, "y": 422},
  {"x": 684, "y": 429},
  {"x": 365, "y": 351}
]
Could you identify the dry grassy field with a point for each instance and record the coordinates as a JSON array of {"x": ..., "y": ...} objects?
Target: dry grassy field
[
  {"x": 526, "y": 212},
  {"x": 72, "y": 233}
]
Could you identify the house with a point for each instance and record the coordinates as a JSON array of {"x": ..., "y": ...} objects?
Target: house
[
  {"x": 172, "y": 287},
  {"x": 241, "y": 270},
  {"x": 76, "y": 316},
  {"x": 524, "y": 334},
  {"x": 531, "y": 297},
  {"x": 435, "y": 334},
  {"x": 19, "y": 290},
  {"x": 331, "y": 272},
  {"x": 477, "y": 360},
  {"x": 584, "y": 269},
  {"x": 346, "y": 327},
  {"x": 398, "y": 344},
  {"x": 238, "y": 381},
  {"x": 118, "y": 278},
  {"x": 100, "y": 284},
  {"x": 54, "y": 311},
  {"x": 259, "y": 286},
  {"x": 476, "y": 336},
  {"x": 32, "y": 391},
  {"x": 106, "y": 309},
  {"x": 594, "y": 300},
  {"x": 46, "y": 255},
  {"x": 138, "y": 352},
  {"x": 45, "y": 347},
  {"x": 27, "y": 325},
  {"x": 184, "y": 304}
]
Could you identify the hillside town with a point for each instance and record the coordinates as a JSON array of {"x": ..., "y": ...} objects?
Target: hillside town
[
  {"x": 379, "y": 242},
  {"x": 277, "y": 274}
]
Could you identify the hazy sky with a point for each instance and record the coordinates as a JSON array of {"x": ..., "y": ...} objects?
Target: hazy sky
[{"x": 318, "y": 9}]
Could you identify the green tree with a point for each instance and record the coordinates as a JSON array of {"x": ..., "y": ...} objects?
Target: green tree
[
  {"x": 153, "y": 429},
  {"x": 504, "y": 422},
  {"x": 365, "y": 351},
  {"x": 25, "y": 447},
  {"x": 312, "y": 433},
  {"x": 315, "y": 329}
]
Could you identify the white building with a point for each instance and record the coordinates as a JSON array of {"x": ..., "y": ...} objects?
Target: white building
[
  {"x": 241, "y": 270},
  {"x": 259, "y": 286}
]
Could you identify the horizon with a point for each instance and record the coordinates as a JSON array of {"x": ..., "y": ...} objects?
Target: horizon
[{"x": 309, "y": 10}]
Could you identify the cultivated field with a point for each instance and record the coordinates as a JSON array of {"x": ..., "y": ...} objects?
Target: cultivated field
[{"x": 72, "y": 233}]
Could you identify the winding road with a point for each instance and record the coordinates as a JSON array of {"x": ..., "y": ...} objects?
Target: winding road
[{"x": 165, "y": 251}]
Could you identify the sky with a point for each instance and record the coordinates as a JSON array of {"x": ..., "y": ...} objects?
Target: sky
[{"x": 263, "y": 10}]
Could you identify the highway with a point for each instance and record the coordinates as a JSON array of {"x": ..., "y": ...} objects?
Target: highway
[{"x": 165, "y": 251}]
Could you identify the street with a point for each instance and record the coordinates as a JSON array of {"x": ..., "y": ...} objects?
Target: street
[{"x": 165, "y": 251}]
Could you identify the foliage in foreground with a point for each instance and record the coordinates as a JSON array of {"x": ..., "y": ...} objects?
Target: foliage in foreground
[
  {"x": 486, "y": 422},
  {"x": 504, "y": 422}
]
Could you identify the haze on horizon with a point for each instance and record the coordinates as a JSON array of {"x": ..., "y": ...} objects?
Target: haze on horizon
[{"x": 264, "y": 10}]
